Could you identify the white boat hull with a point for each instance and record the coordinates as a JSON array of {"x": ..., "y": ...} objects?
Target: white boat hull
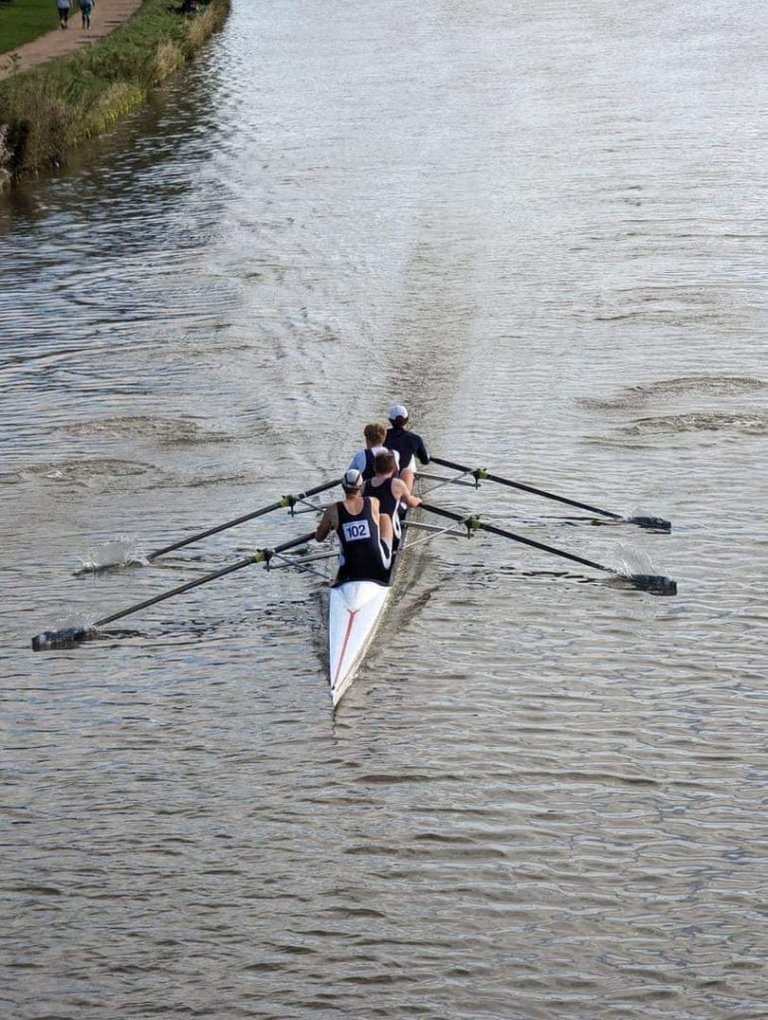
[{"x": 354, "y": 613}]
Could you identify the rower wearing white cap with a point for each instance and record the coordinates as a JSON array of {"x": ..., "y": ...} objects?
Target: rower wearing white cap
[
  {"x": 405, "y": 443},
  {"x": 364, "y": 534}
]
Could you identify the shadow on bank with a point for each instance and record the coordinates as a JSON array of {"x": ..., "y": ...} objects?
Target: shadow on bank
[{"x": 50, "y": 109}]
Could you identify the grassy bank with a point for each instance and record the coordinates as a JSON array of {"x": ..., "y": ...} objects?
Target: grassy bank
[
  {"x": 22, "y": 20},
  {"x": 49, "y": 109}
]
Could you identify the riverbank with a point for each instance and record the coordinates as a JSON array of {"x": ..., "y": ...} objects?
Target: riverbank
[
  {"x": 21, "y": 23},
  {"x": 51, "y": 108},
  {"x": 51, "y": 42}
]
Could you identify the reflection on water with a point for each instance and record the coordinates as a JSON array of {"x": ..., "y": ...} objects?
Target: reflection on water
[{"x": 542, "y": 229}]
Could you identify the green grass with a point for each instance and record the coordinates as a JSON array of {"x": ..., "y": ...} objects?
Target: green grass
[
  {"x": 53, "y": 107},
  {"x": 23, "y": 20}
]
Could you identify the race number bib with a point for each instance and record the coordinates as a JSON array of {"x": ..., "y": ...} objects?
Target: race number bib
[{"x": 356, "y": 531}]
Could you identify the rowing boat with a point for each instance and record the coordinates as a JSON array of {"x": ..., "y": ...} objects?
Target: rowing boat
[{"x": 355, "y": 610}]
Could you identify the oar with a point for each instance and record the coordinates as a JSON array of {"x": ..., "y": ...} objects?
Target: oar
[
  {"x": 284, "y": 501},
  {"x": 649, "y": 582},
  {"x": 657, "y": 523},
  {"x": 71, "y": 635}
]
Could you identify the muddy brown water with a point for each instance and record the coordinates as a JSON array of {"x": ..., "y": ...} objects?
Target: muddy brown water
[{"x": 543, "y": 228}]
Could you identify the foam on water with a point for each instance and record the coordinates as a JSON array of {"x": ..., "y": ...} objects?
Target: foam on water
[
  {"x": 122, "y": 551},
  {"x": 627, "y": 560}
]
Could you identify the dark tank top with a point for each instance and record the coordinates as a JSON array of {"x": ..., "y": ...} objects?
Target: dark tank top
[
  {"x": 387, "y": 502},
  {"x": 369, "y": 470},
  {"x": 359, "y": 538}
]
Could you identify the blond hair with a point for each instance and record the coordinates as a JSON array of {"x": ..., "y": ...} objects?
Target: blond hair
[{"x": 375, "y": 433}]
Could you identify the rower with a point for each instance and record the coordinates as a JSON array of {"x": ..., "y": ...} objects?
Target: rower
[
  {"x": 407, "y": 444},
  {"x": 365, "y": 535},
  {"x": 374, "y": 434},
  {"x": 390, "y": 491}
]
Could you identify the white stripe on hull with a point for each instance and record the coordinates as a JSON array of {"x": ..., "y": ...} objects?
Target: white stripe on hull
[{"x": 354, "y": 613}]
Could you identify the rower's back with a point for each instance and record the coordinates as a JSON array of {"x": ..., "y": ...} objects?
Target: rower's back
[
  {"x": 409, "y": 446},
  {"x": 360, "y": 540}
]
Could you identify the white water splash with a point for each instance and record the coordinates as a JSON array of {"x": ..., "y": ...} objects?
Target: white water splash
[
  {"x": 638, "y": 511},
  {"x": 75, "y": 619},
  {"x": 628, "y": 560},
  {"x": 118, "y": 552}
]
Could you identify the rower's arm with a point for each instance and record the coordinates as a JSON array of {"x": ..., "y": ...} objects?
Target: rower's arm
[
  {"x": 404, "y": 494},
  {"x": 421, "y": 451},
  {"x": 328, "y": 522}
]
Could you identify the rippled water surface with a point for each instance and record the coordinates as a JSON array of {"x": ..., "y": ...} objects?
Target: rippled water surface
[{"x": 543, "y": 227}]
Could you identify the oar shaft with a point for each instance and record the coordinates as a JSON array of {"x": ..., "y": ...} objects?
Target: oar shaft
[
  {"x": 285, "y": 501},
  {"x": 258, "y": 557},
  {"x": 175, "y": 591},
  {"x": 546, "y": 548},
  {"x": 214, "y": 531},
  {"x": 473, "y": 522},
  {"x": 481, "y": 473}
]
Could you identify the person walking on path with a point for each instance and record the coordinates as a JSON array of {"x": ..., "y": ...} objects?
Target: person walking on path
[
  {"x": 86, "y": 10},
  {"x": 62, "y": 6}
]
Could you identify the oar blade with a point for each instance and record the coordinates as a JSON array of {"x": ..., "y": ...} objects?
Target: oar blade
[
  {"x": 650, "y": 523},
  {"x": 656, "y": 584},
  {"x": 65, "y": 638}
]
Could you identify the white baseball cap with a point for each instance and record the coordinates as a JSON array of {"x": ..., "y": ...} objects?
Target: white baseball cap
[
  {"x": 397, "y": 411},
  {"x": 352, "y": 479}
]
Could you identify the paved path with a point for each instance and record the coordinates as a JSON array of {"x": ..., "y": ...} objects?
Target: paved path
[{"x": 107, "y": 15}]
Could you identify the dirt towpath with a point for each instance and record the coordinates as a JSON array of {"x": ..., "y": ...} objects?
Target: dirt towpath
[{"x": 107, "y": 16}]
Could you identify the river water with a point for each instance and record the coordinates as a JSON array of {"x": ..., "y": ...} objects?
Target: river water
[{"x": 542, "y": 226}]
